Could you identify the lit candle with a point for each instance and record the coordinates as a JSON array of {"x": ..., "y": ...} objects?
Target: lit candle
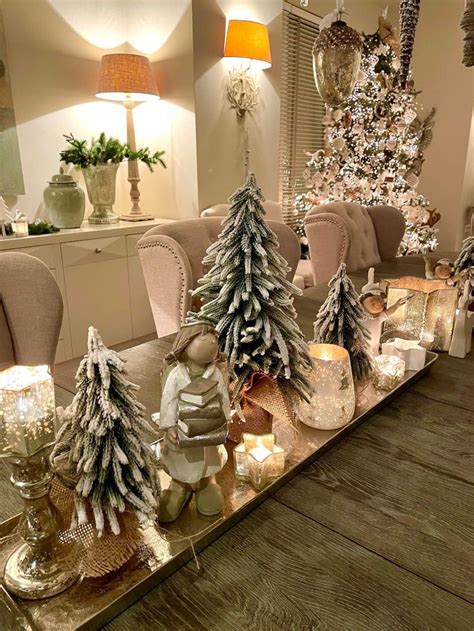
[
  {"x": 258, "y": 460},
  {"x": 332, "y": 403},
  {"x": 389, "y": 371},
  {"x": 27, "y": 410},
  {"x": 20, "y": 227}
]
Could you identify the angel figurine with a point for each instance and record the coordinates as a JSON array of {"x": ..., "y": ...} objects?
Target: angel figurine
[
  {"x": 195, "y": 409},
  {"x": 374, "y": 302},
  {"x": 442, "y": 270}
]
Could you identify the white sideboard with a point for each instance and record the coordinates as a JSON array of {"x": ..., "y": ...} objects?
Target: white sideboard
[{"x": 100, "y": 278}]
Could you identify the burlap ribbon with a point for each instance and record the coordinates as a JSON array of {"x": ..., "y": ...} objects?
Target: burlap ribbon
[
  {"x": 99, "y": 555},
  {"x": 261, "y": 399}
]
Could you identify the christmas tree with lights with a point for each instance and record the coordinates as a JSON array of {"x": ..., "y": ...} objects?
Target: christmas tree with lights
[{"x": 374, "y": 147}]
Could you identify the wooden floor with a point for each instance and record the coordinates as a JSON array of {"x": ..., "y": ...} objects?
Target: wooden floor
[{"x": 378, "y": 534}]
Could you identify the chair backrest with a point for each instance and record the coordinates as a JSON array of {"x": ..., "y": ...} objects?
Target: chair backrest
[
  {"x": 31, "y": 311},
  {"x": 273, "y": 210},
  {"x": 171, "y": 257},
  {"x": 347, "y": 232}
]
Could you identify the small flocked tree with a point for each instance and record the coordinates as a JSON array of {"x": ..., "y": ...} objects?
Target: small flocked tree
[
  {"x": 340, "y": 321},
  {"x": 248, "y": 298},
  {"x": 115, "y": 468},
  {"x": 464, "y": 264}
]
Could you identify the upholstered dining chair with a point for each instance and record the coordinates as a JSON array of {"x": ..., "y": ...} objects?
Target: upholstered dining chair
[
  {"x": 304, "y": 273},
  {"x": 171, "y": 257},
  {"x": 31, "y": 311},
  {"x": 344, "y": 232}
]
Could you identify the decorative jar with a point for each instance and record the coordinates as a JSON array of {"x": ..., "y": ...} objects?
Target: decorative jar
[
  {"x": 428, "y": 316},
  {"x": 64, "y": 201},
  {"x": 100, "y": 185},
  {"x": 333, "y": 400}
]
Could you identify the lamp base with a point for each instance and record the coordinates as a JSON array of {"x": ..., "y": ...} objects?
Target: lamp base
[
  {"x": 31, "y": 576},
  {"x": 136, "y": 217}
]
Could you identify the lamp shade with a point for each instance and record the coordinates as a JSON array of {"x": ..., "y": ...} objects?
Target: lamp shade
[
  {"x": 248, "y": 40},
  {"x": 125, "y": 76}
]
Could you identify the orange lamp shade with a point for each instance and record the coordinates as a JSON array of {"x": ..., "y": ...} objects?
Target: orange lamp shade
[
  {"x": 124, "y": 76},
  {"x": 248, "y": 40}
]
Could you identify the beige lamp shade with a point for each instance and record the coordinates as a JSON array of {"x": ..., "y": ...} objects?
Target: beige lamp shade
[
  {"x": 124, "y": 76},
  {"x": 248, "y": 40}
]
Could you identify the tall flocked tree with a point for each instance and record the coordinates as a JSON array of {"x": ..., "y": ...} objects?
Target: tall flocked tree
[
  {"x": 464, "y": 264},
  {"x": 374, "y": 148},
  {"x": 103, "y": 437},
  {"x": 249, "y": 300},
  {"x": 340, "y": 321}
]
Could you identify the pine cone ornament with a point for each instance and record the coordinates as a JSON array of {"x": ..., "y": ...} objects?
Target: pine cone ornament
[
  {"x": 409, "y": 13},
  {"x": 467, "y": 24}
]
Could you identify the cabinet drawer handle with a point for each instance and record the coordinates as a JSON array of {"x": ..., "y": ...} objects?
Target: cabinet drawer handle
[{"x": 98, "y": 250}]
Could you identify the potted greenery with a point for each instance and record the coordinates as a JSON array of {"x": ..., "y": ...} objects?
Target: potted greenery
[{"x": 99, "y": 161}]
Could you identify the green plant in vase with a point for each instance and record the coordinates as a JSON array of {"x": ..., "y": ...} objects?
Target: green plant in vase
[{"x": 99, "y": 160}]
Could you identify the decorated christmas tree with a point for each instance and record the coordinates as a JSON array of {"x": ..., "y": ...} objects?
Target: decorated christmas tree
[
  {"x": 249, "y": 300},
  {"x": 374, "y": 146},
  {"x": 464, "y": 264},
  {"x": 340, "y": 321},
  {"x": 102, "y": 436}
]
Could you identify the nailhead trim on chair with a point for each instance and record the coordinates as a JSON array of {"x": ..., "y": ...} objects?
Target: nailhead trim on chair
[
  {"x": 181, "y": 270},
  {"x": 345, "y": 239}
]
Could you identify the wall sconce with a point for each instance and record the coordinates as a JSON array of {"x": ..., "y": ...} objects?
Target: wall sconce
[
  {"x": 246, "y": 41},
  {"x": 128, "y": 78},
  {"x": 42, "y": 566},
  {"x": 258, "y": 460}
]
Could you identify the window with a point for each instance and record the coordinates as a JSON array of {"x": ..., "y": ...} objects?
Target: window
[{"x": 302, "y": 108}]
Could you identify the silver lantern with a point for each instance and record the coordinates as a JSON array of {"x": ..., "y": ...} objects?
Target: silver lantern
[{"x": 336, "y": 61}]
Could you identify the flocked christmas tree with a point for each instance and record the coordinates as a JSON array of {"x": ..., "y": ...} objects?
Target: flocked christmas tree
[
  {"x": 374, "y": 147},
  {"x": 249, "y": 300},
  {"x": 103, "y": 436},
  {"x": 464, "y": 264},
  {"x": 340, "y": 321}
]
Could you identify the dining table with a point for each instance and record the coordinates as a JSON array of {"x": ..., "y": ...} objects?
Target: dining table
[{"x": 374, "y": 532}]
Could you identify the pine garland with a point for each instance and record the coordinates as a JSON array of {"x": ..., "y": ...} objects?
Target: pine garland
[
  {"x": 115, "y": 468},
  {"x": 409, "y": 13},
  {"x": 340, "y": 321},
  {"x": 249, "y": 300}
]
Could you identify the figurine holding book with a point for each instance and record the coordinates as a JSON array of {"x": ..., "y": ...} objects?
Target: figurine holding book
[{"x": 195, "y": 408}]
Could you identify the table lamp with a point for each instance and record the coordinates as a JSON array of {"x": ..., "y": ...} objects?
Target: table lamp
[{"x": 128, "y": 78}]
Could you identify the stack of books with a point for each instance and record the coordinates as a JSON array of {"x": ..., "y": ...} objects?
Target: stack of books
[{"x": 201, "y": 421}]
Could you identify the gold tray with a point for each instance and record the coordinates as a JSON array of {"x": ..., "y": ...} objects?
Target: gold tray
[{"x": 91, "y": 603}]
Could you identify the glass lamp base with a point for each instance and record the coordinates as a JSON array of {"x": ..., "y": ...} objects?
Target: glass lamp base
[{"x": 31, "y": 575}]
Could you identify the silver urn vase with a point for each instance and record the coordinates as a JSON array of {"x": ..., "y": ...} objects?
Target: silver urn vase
[{"x": 100, "y": 185}]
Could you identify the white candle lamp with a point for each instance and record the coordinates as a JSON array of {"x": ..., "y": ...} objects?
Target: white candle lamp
[
  {"x": 41, "y": 566},
  {"x": 259, "y": 460},
  {"x": 410, "y": 351},
  {"x": 389, "y": 372},
  {"x": 333, "y": 400},
  {"x": 20, "y": 227}
]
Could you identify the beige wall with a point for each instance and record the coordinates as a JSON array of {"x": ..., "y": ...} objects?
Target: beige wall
[
  {"x": 447, "y": 177},
  {"x": 220, "y": 133},
  {"x": 54, "y": 51}
]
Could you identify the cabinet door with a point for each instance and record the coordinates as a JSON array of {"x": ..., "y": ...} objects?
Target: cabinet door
[
  {"x": 98, "y": 290},
  {"x": 142, "y": 318}
]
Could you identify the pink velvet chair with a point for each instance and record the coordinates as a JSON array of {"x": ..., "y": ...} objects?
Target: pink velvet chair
[
  {"x": 171, "y": 257},
  {"x": 31, "y": 311},
  {"x": 347, "y": 232}
]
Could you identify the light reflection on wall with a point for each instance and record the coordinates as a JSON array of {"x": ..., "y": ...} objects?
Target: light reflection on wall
[{"x": 145, "y": 24}]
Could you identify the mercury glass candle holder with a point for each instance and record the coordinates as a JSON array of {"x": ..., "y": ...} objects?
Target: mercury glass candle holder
[
  {"x": 428, "y": 316},
  {"x": 333, "y": 400},
  {"x": 258, "y": 460},
  {"x": 41, "y": 566},
  {"x": 389, "y": 371}
]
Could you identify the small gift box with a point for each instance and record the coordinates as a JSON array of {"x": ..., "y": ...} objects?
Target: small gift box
[{"x": 428, "y": 315}]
